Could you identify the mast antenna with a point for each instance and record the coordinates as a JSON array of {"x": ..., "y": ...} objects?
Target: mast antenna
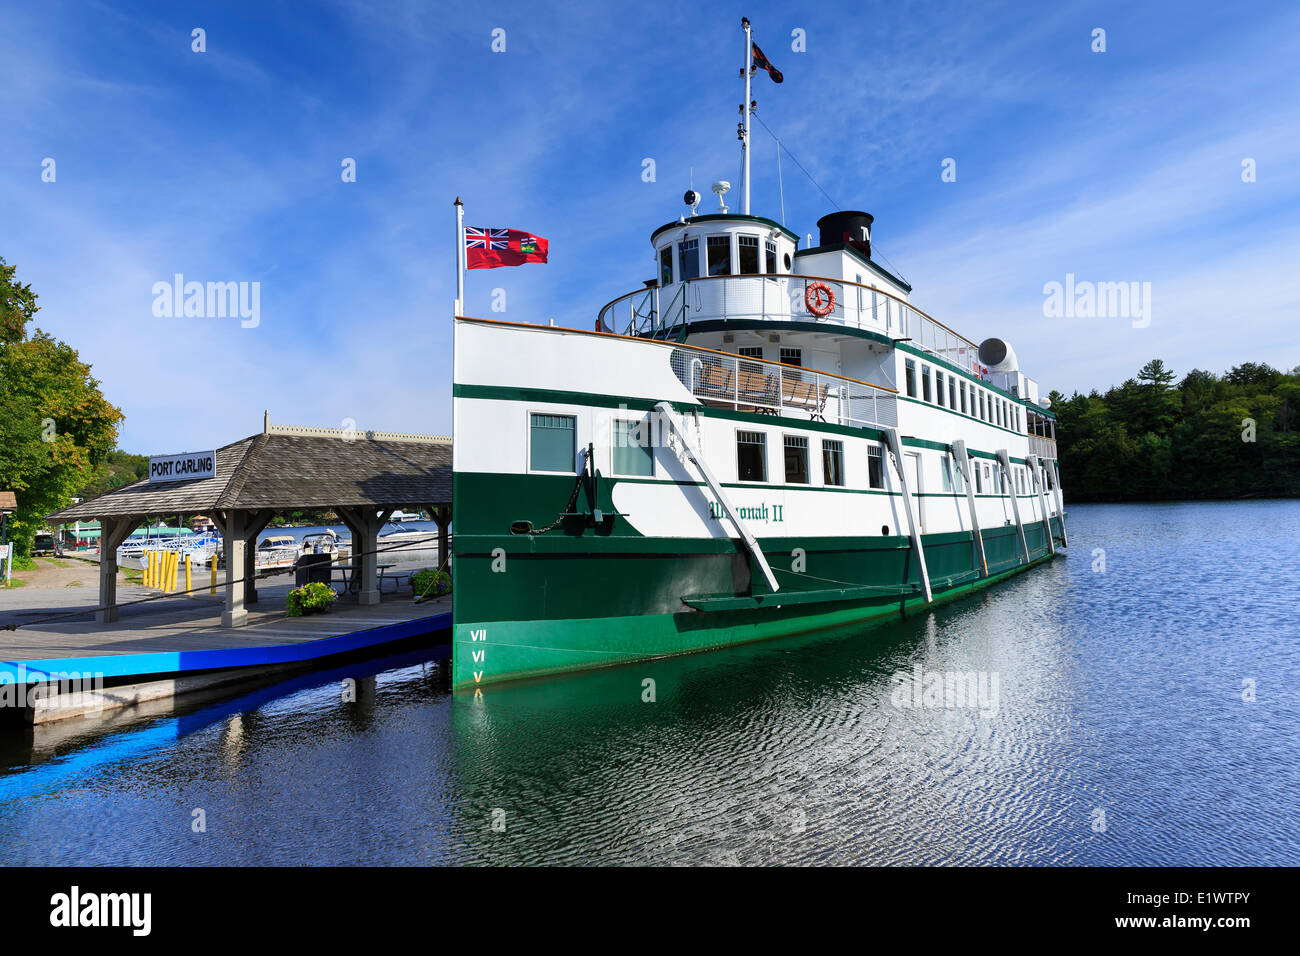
[{"x": 744, "y": 137}]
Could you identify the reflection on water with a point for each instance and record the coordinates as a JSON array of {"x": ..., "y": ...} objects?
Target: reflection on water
[{"x": 1111, "y": 729}]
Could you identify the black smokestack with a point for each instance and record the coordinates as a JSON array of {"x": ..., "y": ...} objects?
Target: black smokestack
[{"x": 848, "y": 226}]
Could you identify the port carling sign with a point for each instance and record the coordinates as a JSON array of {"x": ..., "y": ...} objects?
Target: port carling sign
[{"x": 183, "y": 467}]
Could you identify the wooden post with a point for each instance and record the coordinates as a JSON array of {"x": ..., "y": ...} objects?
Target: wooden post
[
  {"x": 232, "y": 530},
  {"x": 442, "y": 515},
  {"x": 113, "y": 532}
]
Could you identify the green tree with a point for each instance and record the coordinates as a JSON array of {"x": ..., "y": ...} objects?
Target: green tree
[{"x": 55, "y": 425}]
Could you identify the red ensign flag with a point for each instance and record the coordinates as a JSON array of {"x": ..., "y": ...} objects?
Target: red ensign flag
[{"x": 492, "y": 248}]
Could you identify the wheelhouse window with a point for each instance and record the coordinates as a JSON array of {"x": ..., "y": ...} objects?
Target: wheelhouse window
[
  {"x": 719, "y": 248},
  {"x": 925, "y": 383},
  {"x": 938, "y": 386},
  {"x": 751, "y": 456},
  {"x": 796, "y": 460},
  {"x": 909, "y": 373},
  {"x": 769, "y": 264},
  {"x": 666, "y": 265},
  {"x": 633, "y": 455},
  {"x": 688, "y": 259},
  {"x": 790, "y": 356},
  {"x": 747, "y": 253},
  {"x": 551, "y": 442},
  {"x": 832, "y": 461},
  {"x": 875, "y": 467}
]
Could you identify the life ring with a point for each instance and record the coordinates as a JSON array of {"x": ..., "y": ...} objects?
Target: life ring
[{"x": 819, "y": 298}]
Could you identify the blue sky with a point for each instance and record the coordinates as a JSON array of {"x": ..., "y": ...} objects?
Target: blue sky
[{"x": 225, "y": 166}]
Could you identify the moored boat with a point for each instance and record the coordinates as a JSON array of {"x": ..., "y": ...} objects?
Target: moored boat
[{"x": 766, "y": 439}]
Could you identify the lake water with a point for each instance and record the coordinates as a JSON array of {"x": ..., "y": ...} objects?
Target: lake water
[{"x": 1118, "y": 733}]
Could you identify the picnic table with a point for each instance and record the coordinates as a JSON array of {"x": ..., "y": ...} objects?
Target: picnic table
[{"x": 350, "y": 584}]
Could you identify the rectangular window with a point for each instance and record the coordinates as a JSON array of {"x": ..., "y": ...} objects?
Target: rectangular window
[
  {"x": 747, "y": 252},
  {"x": 796, "y": 460},
  {"x": 963, "y": 399},
  {"x": 632, "y": 452},
  {"x": 938, "y": 386},
  {"x": 952, "y": 392},
  {"x": 981, "y": 397},
  {"x": 719, "y": 255},
  {"x": 979, "y": 479},
  {"x": 792, "y": 357},
  {"x": 769, "y": 263},
  {"x": 958, "y": 482},
  {"x": 666, "y": 265},
  {"x": 832, "y": 461},
  {"x": 688, "y": 259},
  {"x": 551, "y": 444},
  {"x": 909, "y": 371},
  {"x": 875, "y": 467},
  {"x": 751, "y": 351},
  {"x": 925, "y": 383},
  {"x": 751, "y": 456},
  {"x": 945, "y": 473}
]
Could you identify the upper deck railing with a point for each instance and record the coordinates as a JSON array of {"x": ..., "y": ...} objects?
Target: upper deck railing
[{"x": 664, "y": 312}]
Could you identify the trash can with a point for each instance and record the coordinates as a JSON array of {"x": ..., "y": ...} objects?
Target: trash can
[{"x": 312, "y": 567}]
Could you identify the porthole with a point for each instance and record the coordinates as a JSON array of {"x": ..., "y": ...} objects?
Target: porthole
[{"x": 787, "y": 262}]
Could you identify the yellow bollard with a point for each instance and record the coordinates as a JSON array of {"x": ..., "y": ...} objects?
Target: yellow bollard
[
  {"x": 148, "y": 569},
  {"x": 188, "y": 584},
  {"x": 212, "y": 588},
  {"x": 162, "y": 577},
  {"x": 167, "y": 572},
  {"x": 173, "y": 564}
]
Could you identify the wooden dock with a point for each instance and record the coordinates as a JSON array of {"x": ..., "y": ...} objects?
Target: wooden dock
[{"x": 175, "y": 646}]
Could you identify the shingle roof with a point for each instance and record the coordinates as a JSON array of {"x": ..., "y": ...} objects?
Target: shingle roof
[
  {"x": 284, "y": 471},
  {"x": 8, "y": 501}
]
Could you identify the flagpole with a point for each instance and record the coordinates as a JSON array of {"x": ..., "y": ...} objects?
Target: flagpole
[
  {"x": 744, "y": 143},
  {"x": 460, "y": 257}
]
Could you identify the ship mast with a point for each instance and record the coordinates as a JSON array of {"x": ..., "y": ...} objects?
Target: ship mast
[{"x": 744, "y": 108}]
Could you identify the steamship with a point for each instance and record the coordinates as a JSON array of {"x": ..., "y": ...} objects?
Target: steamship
[{"x": 763, "y": 440}]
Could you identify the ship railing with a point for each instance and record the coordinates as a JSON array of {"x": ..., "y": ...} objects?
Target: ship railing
[
  {"x": 719, "y": 380},
  {"x": 789, "y": 298},
  {"x": 1042, "y": 447}
]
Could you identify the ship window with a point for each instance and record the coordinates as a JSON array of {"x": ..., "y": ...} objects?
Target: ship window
[
  {"x": 666, "y": 265},
  {"x": 751, "y": 351},
  {"x": 751, "y": 456},
  {"x": 958, "y": 481},
  {"x": 938, "y": 386},
  {"x": 981, "y": 395},
  {"x": 787, "y": 262},
  {"x": 952, "y": 392},
  {"x": 909, "y": 370},
  {"x": 796, "y": 460},
  {"x": 551, "y": 442},
  {"x": 832, "y": 461},
  {"x": 769, "y": 265},
  {"x": 979, "y": 479},
  {"x": 945, "y": 473},
  {"x": 792, "y": 357},
  {"x": 925, "y": 383},
  {"x": 688, "y": 259},
  {"x": 719, "y": 248},
  {"x": 875, "y": 467},
  {"x": 747, "y": 251},
  {"x": 633, "y": 454},
  {"x": 962, "y": 389}
]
